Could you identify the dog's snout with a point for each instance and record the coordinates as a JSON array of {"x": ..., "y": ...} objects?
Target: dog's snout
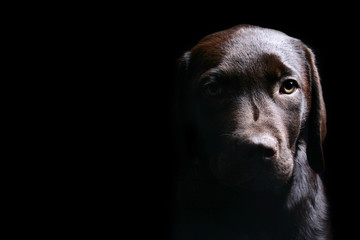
[{"x": 260, "y": 147}]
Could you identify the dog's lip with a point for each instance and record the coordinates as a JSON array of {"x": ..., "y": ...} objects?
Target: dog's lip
[
  {"x": 234, "y": 170},
  {"x": 256, "y": 178}
]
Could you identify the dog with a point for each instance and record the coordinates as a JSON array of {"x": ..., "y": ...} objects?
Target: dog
[{"x": 251, "y": 121}]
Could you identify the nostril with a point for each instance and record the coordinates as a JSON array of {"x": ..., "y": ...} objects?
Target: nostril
[{"x": 268, "y": 153}]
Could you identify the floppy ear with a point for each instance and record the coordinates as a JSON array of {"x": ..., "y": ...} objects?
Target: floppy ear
[
  {"x": 184, "y": 129},
  {"x": 182, "y": 82},
  {"x": 317, "y": 117},
  {"x": 183, "y": 67}
]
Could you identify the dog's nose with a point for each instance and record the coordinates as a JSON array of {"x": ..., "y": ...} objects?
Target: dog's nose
[{"x": 259, "y": 147}]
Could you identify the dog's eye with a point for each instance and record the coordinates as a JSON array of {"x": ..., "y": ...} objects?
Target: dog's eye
[
  {"x": 212, "y": 89},
  {"x": 288, "y": 87}
]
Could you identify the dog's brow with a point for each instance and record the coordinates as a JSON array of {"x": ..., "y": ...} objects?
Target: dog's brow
[
  {"x": 213, "y": 72},
  {"x": 290, "y": 72}
]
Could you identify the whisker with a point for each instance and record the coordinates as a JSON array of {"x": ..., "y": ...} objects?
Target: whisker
[{"x": 227, "y": 134}]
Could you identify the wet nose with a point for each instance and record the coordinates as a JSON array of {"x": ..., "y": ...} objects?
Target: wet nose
[{"x": 262, "y": 147}]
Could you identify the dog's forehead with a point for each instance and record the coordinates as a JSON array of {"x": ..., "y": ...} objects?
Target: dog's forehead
[
  {"x": 247, "y": 48},
  {"x": 250, "y": 50}
]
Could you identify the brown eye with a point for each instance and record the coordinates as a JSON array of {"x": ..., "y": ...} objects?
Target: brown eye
[
  {"x": 288, "y": 87},
  {"x": 212, "y": 89}
]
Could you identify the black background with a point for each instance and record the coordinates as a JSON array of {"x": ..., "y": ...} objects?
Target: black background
[
  {"x": 148, "y": 49},
  {"x": 108, "y": 145}
]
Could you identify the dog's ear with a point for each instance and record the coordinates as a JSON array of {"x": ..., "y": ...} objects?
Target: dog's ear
[
  {"x": 184, "y": 127},
  {"x": 181, "y": 86},
  {"x": 182, "y": 81},
  {"x": 317, "y": 116},
  {"x": 183, "y": 64}
]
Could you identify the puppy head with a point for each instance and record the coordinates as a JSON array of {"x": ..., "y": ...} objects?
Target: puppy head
[{"x": 249, "y": 95}]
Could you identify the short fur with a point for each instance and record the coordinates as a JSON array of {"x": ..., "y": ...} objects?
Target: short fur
[{"x": 251, "y": 153}]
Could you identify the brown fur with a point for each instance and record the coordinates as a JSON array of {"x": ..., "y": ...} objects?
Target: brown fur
[{"x": 246, "y": 134}]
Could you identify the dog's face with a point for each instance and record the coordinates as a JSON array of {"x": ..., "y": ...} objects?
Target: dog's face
[{"x": 249, "y": 97}]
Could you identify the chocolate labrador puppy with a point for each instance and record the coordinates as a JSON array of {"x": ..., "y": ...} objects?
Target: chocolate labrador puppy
[{"x": 252, "y": 120}]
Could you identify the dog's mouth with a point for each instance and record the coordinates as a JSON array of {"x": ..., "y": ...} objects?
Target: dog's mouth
[{"x": 256, "y": 170}]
